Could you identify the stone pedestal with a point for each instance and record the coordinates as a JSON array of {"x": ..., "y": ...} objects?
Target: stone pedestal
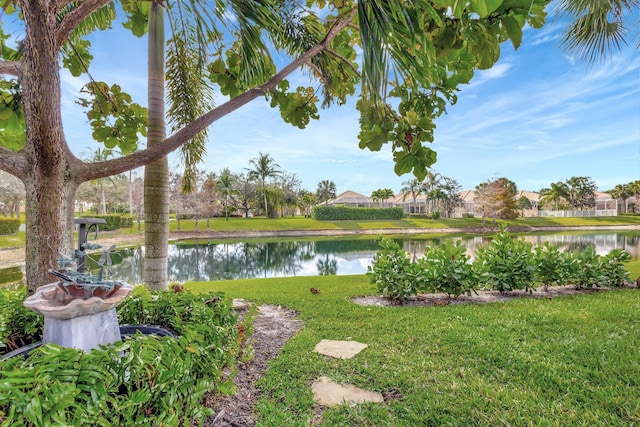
[{"x": 83, "y": 332}]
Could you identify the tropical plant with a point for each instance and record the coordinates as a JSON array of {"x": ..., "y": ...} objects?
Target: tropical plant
[
  {"x": 554, "y": 194},
  {"x": 612, "y": 268},
  {"x": 506, "y": 264},
  {"x": 447, "y": 269},
  {"x": 412, "y": 187},
  {"x": 326, "y": 191},
  {"x": 621, "y": 191},
  {"x": 393, "y": 273},
  {"x": 586, "y": 271},
  {"x": 553, "y": 266},
  {"x": 224, "y": 185},
  {"x": 598, "y": 27},
  {"x": 381, "y": 195},
  {"x": 261, "y": 168}
]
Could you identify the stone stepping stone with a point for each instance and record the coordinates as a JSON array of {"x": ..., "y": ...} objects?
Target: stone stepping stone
[
  {"x": 327, "y": 392},
  {"x": 339, "y": 349}
]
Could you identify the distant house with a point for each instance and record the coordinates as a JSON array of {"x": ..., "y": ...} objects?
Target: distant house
[{"x": 351, "y": 199}]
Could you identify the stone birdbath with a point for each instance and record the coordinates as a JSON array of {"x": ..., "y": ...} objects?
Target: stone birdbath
[{"x": 79, "y": 309}]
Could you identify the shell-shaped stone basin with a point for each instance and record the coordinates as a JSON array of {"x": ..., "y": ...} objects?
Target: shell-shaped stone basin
[{"x": 56, "y": 302}]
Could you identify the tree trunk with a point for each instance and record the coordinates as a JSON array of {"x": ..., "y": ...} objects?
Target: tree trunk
[
  {"x": 45, "y": 148},
  {"x": 156, "y": 175}
]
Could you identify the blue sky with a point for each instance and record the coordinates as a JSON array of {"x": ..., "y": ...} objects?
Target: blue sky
[{"x": 538, "y": 116}]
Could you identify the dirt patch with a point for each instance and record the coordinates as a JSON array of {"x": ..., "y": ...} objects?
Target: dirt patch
[
  {"x": 272, "y": 329},
  {"x": 481, "y": 297}
]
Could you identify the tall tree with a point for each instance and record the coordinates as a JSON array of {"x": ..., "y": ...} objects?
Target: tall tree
[
  {"x": 554, "y": 194},
  {"x": 261, "y": 168},
  {"x": 413, "y": 187},
  {"x": 620, "y": 191},
  {"x": 415, "y": 57},
  {"x": 326, "y": 191},
  {"x": 381, "y": 195},
  {"x": 581, "y": 192},
  {"x": 224, "y": 185}
]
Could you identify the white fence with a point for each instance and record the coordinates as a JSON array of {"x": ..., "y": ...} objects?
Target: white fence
[{"x": 568, "y": 214}]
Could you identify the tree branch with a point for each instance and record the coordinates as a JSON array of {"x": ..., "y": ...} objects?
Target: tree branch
[
  {"x": 74, "y": 18},
  {"x": 89, "y": 171},
  {"x": 11, "y": 67},
  {"x": 14, "y": 162},
  {"x": 344, "y": 60}
]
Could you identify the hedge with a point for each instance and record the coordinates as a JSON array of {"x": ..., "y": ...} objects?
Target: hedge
[
  {"x": 114, "y": 222},
  {"x": 335, "y": 213},
  {"x": 9, "y": 225}
]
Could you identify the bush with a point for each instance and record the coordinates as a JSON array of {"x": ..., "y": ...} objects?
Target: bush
[
  {"x": 506, "y": 264},
  {"x": 9, "y": 225},
  {"x": 113, "y": 221},
  {"x": 553, "y": 267},
  {"x": 586, "y": 269},
  {"x": 447, "y": 269},
  {"x": 19, "y": 326},
  {"x": 341, "y": 213},
  {"x": 143, "y": 380},
  {"x": 612, "y": 270},
  {"x": 126, "y": 221},
  {"x": 393, "y": 273}
]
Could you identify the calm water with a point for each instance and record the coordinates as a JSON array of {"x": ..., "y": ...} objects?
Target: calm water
[{"x": 215, "y": 261}]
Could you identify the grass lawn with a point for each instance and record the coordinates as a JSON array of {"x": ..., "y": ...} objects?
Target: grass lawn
[
  {"x": 300, "y": 223},
  {"x": 567, "y": 361}
]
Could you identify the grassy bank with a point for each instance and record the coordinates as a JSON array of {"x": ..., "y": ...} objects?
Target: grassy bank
[
  {"x": 567, "y": 361},
  {"x": 248, "y": 225}
]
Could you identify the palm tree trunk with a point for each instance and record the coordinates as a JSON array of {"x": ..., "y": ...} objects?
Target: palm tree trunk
[{"x": 156, "y": 175}]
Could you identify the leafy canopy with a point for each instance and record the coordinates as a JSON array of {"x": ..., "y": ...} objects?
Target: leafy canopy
[{"x": 415, "y": 57}]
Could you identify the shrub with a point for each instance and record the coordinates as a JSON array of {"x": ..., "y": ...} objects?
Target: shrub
[
  {"x": 113, "y": 221},
  {"x": 506, "y": 264},
  {"x": 143, "y": 380},
  {"x": 19, "y": 326},
  {"x": 9, "y": 225},
  {"x": 586, "y": 269},
  {"x": 393, "y": 273},
  {"x": 553, "y": 267},
  {"x": 447, "y": 269},
  {"x": 612, "y": 269},
  {"x": 126, "y": 221}
]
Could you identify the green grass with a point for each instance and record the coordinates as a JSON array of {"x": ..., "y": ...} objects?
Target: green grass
[
  {"x": 300, "y": 223},
  {"x": 568, "y": 361}
]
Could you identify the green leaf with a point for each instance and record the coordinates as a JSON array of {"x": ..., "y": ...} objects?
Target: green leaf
[
  {"x": 514, "y": 31},
  {"x": 485, "y": 7}
]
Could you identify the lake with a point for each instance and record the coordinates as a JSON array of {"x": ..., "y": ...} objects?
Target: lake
[{"x": 204, "y": 260}]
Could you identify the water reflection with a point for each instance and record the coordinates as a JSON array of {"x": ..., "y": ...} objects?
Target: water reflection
[{"x": 204, "y": 261}]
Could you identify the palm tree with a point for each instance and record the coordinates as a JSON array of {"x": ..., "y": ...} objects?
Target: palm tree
[
  {"x": 263, "y": 167},
  {"x": 326, "y": 191},
  {"x": 620, "y": 191},
  {"x": 559, "y": 190},
  {"x": 381, "y": 195},
  {"x": 225, "y": 186},
  {"x": 413, "y": 187},
  {"x": 432, "y": 180},
  {"x": 598, "y": 27}
]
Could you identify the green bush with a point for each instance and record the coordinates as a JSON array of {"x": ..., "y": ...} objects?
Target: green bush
[
  {"x": 393, "y": 273},
  {"x": 19, "y": 326},
  {"x": 343, "y": 213},
  {"x": 553, "y": 267},
  {"x": 114, "y": 222},
  {"x": 143, "y": 380},
  {"x": 506, "y": 264},
  {"x": 586, "y": 269},
  {"x": 9, "y": 225},
  {"x": 612, "y": 269},
  {"x": 126, "y": 221},
  {"x": 447, "y": 269}
]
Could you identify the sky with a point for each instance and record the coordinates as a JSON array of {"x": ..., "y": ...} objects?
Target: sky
[{"x": 539, "y": 115}]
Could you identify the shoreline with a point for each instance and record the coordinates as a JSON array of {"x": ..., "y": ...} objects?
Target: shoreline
[{"x": 15, "y": 256}]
